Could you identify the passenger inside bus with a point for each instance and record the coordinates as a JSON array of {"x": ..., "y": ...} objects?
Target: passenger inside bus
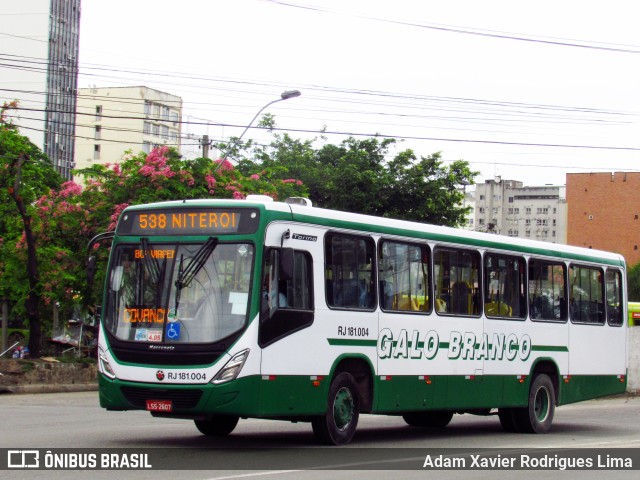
[{"x": 461, "y": 299}]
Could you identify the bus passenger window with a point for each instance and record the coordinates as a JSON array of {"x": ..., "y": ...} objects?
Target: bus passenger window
[
  {"x": 547, "y": 290},
  {"x": 349, "y": 278},
  {"x": 404, "y": 277},
  {"x": 504, "y": 286},
  {"x": 586, "y": 301},
  {"x": 457, "y": 281},
  {"x": 614, "y": 297}
]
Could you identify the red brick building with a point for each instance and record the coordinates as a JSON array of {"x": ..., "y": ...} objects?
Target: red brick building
[{"x": 603, "y": 212}]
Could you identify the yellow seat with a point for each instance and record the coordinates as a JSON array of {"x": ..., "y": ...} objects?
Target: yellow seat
[
  {"x": 498, "y": 309},
  {"x": 403, "y": 302}
]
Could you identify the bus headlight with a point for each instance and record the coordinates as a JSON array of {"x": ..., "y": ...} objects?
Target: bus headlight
[
  {"x": 231, "y": 370},
  {"x": 104, "y": 367}
]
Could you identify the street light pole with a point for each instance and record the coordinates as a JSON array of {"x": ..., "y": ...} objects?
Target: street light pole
[{"x": 286, "y": 95}]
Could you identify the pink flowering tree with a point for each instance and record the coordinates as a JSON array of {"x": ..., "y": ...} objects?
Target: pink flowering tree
[
  {"x": 63, "y": 227},
  {"x": 164, "y": 175}
]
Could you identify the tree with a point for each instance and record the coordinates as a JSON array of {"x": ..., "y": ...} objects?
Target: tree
[
  {"x": 25, "y": 175},
  {"x": 426, "y": 190},
  {"x": 633, "y": 283},
  {"x": 164, "y": 175},
  {"x": 63, "y": 228},
  {"x": 356, "y": 176}
]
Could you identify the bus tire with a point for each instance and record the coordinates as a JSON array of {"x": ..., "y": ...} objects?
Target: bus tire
[
  {"x": 432, "y": 419},
  {"x": 537, "y": 416},
  {"x": 508, "y": 420},
  {"x": 218, "y": 425},
  {"x": 338, "y": 425}
]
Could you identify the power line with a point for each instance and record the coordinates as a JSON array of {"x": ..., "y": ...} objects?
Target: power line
[
  {"x": 381, "y": 94},
  {"x": 379, "y": 135},
  {"x": 610, "y": 47}
]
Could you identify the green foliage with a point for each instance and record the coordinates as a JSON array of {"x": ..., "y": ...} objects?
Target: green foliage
[
  {"x": 355, "y": 176},
  {"x": 633, "y": 283},
  {"x": 25, "y": 175},
  {"x": 164, "y": 175},
  {"x": 426, "y": 190}
]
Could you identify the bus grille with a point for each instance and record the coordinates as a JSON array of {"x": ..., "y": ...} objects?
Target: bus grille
[{"x": 182, "y": 399}]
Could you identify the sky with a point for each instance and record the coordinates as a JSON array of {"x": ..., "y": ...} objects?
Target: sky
[{"x": 524, "y": 90}]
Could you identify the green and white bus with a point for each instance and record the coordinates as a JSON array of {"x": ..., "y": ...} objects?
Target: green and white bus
[{"x": 216, "y": 310}]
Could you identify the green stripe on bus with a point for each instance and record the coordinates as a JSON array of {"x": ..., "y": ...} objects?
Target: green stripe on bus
[
  {"x": 549, "y": 348},
  {"x": 351, "y": 342},
  {"x": 354, "y": 342}
]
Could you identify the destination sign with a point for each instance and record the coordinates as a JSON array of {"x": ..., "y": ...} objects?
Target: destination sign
[
  {"x": 189, "y": 221},
  {"x": 145, "y": 315}
]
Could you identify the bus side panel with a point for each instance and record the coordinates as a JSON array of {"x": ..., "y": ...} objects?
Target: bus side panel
[
  {"x": 585, "y": 387},
  {"x": 517, "y": 345},
  {"x": 296, "y": 369},
  {"x": 446, "y": 373},
  {"x": 410, "y": 393},
  {"x": 598, "y": 362}
]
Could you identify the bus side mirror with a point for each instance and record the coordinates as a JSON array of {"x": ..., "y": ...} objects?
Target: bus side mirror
[
  {"x": 286, "y": 264},
  {"x": 91, "y": 269}
]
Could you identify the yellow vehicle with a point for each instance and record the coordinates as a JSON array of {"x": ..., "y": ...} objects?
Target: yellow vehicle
[{"x": 634, "y": 313}]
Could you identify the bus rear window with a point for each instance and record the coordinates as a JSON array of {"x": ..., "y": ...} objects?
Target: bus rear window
[{"x": 614, "y": 297}]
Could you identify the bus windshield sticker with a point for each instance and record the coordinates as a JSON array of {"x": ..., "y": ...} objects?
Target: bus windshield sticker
[
  {"x": 154, "y": 335},
  {"x": 173, "y": 331}
]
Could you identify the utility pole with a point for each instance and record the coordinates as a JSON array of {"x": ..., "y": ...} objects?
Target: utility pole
[{"x": 205, "y": 146}]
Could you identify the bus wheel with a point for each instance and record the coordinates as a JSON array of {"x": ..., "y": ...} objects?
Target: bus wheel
[
  {"x": 217, "y": 426},
  {"x": 338, "y": 425},
  {"x": 434, "y": 419},
  {"x": 508, "y": 419},
  {"x": 538, "y": 415}
]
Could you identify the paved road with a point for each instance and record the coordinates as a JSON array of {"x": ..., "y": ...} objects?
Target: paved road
[{"x": 74, "y": 420}]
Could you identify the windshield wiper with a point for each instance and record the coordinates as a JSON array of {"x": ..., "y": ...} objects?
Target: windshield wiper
[
  {"x": 152, "y": 266},
  {"x": 188, "y": 273},
  {"x": 150, "y": 263}
]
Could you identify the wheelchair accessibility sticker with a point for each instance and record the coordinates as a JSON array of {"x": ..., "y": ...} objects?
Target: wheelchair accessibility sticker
[{"x": 173, "y": 331}]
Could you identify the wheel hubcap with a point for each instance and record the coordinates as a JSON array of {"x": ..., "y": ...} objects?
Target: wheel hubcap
[
  {"x": 343, "y": 408},
  {"x": 541, "y": 405}
]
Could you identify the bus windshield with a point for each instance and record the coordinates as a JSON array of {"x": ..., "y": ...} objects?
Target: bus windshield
[{"x": 178, "y": 293}]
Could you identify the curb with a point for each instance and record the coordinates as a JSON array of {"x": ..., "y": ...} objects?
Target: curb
[{"x": 44, "y": 388}]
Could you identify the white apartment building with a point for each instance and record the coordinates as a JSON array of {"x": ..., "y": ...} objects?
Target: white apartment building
[
  {"x": 507, "y": 207},
  {"x": 112, "y": 121},
  {"x": 469, "y": 201},
  {"x": 39, "y": 67}
]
